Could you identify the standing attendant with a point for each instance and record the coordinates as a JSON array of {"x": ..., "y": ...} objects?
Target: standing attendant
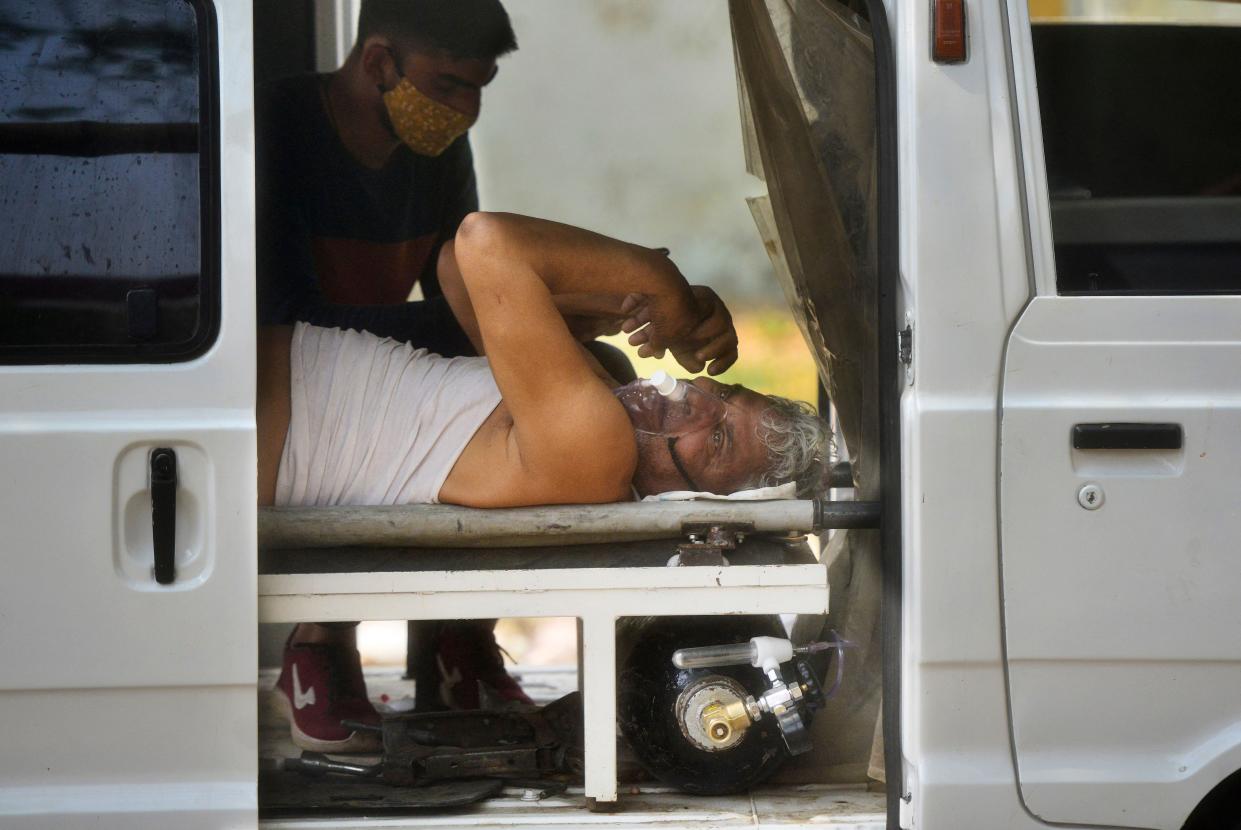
[{"x": 363, "y": 174}]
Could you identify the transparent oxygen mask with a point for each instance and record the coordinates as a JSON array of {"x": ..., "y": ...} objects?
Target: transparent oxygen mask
[{"x": 665, "y": 406}]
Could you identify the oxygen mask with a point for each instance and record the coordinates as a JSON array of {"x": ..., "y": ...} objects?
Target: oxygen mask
[{"x": 670, "y": 408}]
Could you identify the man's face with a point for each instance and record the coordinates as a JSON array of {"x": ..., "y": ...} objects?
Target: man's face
[
  {"x": 454, "y": 82},
  {"x": 719, "y": 459}
]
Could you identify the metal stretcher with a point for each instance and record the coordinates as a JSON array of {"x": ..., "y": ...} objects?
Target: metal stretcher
[{"x": 596, "y": 563}]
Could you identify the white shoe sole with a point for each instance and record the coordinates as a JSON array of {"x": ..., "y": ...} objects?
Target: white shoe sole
[{"x": 356, "y": 742}]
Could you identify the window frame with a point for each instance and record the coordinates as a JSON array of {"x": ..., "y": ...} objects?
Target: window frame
[
  {"x": 210, "y": 256},
  {"x": 1044, "y": 244}
]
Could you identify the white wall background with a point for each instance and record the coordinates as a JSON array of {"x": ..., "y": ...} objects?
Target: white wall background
[{"x": 621, "y": 116}]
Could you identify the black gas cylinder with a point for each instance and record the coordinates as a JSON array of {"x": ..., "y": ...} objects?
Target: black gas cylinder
[{"x": 650, "y": 687}]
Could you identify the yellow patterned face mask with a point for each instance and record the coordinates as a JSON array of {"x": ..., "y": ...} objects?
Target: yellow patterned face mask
[{"x": 423, "y": 123}]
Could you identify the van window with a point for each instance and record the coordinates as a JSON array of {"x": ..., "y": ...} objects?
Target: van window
[
  {"x": 109, "y": 246},
  {"x": 1141, "y": 134}
]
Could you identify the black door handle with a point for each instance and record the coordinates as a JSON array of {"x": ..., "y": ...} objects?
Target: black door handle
[
  {"x": 1122, "y": 436},
  {"x": 164, "y": 513}
]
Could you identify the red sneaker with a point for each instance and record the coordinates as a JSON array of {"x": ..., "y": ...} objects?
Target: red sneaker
[
  {"x": 320, "y": 686},
  {"x": 470, "y": 663}
]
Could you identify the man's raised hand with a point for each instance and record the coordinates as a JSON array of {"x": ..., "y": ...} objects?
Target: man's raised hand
[
  {"x": 712, "y": 344},
  {"x": 699, "y": 333}
]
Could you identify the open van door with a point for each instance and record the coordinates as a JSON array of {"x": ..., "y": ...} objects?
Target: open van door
[
  {"x": 809, "y": 77},
  {"x": 127, "y": 436},
  {"x": 1121, "y": 430}
]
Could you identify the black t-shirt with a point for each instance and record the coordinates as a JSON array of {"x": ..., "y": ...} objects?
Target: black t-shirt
[{"x": 340, "y": 244}]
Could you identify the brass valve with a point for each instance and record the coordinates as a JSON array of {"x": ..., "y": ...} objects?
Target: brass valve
[{"x": 722, "y": 721}]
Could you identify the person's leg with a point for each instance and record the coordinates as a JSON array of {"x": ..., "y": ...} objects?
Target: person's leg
[
  {"x": 471, "y": 667},
  {"x": 422, "y": 642},
  {"x": 326, "y": 634},
  {"x": 456, "y": 663},
  {"x": 321, "y": 685}
]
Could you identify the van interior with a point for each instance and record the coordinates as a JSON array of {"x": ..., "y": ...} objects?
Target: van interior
[{"x": 840, "y": 756}]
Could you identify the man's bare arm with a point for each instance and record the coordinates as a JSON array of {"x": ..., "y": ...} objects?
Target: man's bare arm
[
  {"x": 580, "y": 267},
  {"x": 588, "y": 316},
  {"x": 573, "y": 439}
]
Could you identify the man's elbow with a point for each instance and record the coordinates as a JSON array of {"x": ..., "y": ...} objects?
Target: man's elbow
[{"x": 480, "y": 234}]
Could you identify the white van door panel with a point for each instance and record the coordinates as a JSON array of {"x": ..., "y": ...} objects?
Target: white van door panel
[
  {"x": 127, "y": 703},
  {"x": 1123, "y": 625},
  {"x": 81, "y": 602}
]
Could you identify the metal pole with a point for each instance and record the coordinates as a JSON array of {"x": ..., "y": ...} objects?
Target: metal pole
[{"x": 436, "y": 525}]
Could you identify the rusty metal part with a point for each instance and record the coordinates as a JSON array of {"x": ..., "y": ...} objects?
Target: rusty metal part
[
  {"x": 723, "y": 535},
  {"x": 285, "y": 794},
  {"x": 693, "y": 556},
  {"x": 708, "y": 541},
  {"x": 526, "y": 744},
  {"x": 484, "y": 762}
]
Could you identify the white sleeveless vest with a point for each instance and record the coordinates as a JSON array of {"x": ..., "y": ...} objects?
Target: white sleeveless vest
[{"x": 375, "y": 421}]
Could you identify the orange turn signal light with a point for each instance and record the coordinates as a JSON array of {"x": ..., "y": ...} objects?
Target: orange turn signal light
[{"x": 948, "y": 31}]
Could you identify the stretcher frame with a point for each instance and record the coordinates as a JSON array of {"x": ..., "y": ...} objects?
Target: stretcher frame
[{"x": 596, "y": 596}]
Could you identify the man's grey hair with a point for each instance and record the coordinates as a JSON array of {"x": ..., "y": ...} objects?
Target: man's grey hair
[{"x": 798, "y": 444}]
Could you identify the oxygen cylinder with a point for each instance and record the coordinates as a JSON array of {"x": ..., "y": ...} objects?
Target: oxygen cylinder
[{"x": 659, "y": 705}]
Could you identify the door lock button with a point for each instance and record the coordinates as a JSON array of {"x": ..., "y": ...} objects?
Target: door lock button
[{"x": 1090, "y": 496}]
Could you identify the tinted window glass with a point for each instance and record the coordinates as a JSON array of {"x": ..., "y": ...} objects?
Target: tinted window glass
[
  {"x": 105, "y": 163},
  {"x": 1142, "y": 137}
]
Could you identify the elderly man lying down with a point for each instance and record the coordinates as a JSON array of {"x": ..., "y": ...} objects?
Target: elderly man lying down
[{"x": 349, "y": 418}]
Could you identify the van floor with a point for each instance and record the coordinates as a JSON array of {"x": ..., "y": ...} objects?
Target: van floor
[{"x": 645, "y": 805}]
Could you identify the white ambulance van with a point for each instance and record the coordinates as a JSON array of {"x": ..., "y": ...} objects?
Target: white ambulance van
[{"x": 1010, "y": 231}]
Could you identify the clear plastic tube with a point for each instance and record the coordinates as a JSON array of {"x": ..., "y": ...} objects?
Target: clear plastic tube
[
  {"x": 745, "y": 653},
  {"x": 704, "y": 657}
]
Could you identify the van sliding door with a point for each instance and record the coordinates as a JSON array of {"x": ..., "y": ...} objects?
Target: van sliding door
[{"x": 127, "y": 440}]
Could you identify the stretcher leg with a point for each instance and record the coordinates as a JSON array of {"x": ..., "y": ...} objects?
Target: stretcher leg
[{"x": 597, "y": 644}]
